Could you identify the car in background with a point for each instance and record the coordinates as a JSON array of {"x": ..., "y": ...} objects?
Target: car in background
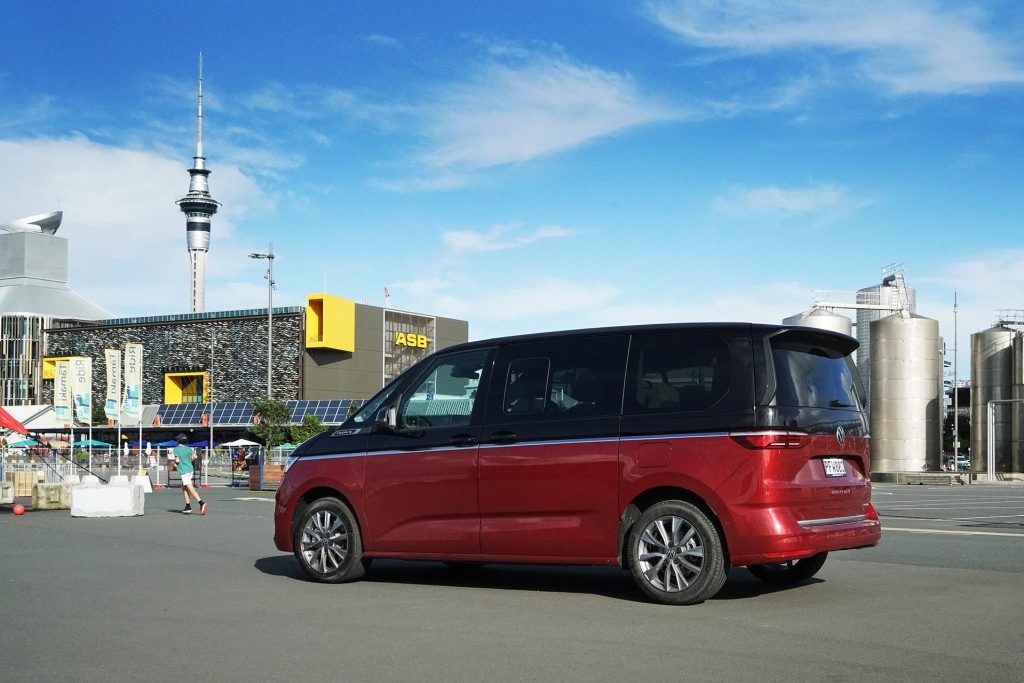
[{"x": 961, "y": 464}]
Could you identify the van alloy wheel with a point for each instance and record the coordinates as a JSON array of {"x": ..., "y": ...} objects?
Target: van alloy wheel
[
  {"x": 676, "y": 554},
  {"x": 324, "y": 541},
  {"x": 670, "y": 553},
  {"x": 327, "y": 542}
]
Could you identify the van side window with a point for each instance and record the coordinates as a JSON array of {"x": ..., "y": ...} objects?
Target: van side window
[
  {"x": 526, "y": 386},
  {"x": 677, "y": 372},
  {"x": 444, "y": 396},
  {"x": 560, "y": 379}
]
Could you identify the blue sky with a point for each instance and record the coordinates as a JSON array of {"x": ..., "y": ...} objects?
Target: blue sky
[{"x": 529, "y": 166}]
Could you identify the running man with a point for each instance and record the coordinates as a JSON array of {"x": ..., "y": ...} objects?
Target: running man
[{"x": 184, "y": 455}]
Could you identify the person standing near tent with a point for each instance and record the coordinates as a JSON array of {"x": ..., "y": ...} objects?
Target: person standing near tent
[{"x": 183, "y": 457}]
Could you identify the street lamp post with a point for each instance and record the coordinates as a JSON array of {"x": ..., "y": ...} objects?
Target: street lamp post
[{"x": 269, "y": 256}]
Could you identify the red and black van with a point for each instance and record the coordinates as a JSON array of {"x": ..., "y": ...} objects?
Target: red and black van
[{"x": 674, "y": 451}]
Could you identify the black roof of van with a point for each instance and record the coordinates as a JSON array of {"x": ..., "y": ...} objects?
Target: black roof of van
[{"x": 849, "y": 344}]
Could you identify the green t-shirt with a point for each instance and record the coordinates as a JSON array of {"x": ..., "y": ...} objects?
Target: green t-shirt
[{"x": 184, "y": 455}]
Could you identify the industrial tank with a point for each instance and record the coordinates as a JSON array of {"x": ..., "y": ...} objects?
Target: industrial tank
[
  {"x": 991, "y": 380},
  {"x": 1017, "y": 410},
  {"x": 906, "y": 394},
  {"x": 823, "y": 320},
  {"x": 885, "y": 294}
]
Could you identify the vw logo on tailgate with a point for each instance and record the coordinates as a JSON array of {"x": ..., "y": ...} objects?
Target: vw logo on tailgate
[{"x": 840, "y": 434}]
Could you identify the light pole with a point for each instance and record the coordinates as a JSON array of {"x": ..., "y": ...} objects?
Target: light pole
[{"x": 270, "y": 310}]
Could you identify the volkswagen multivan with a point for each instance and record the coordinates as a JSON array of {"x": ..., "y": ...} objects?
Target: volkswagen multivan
[{"x": 674, "y": 451}]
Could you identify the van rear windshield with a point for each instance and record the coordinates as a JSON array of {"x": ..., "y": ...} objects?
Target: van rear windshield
[{"x": 812, "y": 373}]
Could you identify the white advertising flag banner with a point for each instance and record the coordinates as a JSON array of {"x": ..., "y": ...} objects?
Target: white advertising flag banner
[
  {"x": 62, "y": 393},
  {"x": 133, "y": 381},
  {"x": 113, "y": 404},
  {"x": 81, "y": 388}
]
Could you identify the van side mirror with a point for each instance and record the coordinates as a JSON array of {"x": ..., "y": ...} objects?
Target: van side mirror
[{"x": 387, "y": 421}]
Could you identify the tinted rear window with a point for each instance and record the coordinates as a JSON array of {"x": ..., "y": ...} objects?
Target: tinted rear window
[{"x": 812, "y": 374}]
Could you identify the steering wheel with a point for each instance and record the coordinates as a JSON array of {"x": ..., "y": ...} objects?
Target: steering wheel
[{"x": 417, "y": 421}]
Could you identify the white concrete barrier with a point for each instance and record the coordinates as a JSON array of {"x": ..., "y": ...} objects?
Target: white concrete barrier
[
  {"x": 6, "y": 492},
  {"x": 107, "y": 501},
  {"x": 119, "y": 480},
  {"x": 144, "y": 482},
  {"x": 90, "y": 480},
  {"x": 51, "y": 496}
]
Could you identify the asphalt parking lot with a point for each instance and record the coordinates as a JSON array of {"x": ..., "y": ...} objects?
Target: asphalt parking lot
[{"x": 167, "y": 597}]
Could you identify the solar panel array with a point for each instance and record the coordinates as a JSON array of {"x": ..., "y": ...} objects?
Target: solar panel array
[{"x": 240, "y": 412}]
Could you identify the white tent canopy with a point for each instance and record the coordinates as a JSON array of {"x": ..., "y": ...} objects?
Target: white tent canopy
[{"x": 240, "y": 442}]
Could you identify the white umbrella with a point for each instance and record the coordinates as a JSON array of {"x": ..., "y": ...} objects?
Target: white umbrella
[{"x": 241, "y": 441}]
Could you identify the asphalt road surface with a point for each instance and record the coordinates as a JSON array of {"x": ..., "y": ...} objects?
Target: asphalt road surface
[{"x": 171, "y": 597}]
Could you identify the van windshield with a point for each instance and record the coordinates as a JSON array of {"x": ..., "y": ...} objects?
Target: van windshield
[
  {"x": 368, "y": 411},
  {"x": 811, "y": 373}
]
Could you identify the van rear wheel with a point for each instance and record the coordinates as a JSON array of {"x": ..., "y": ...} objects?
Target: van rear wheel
[
  {"x": 789, "y": 573},
  {"x": 676, "y": 554},
  {"x": 328, "y": 544}
]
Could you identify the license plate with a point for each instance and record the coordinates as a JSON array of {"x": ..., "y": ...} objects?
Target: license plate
[{"x": 834, "y": 467}]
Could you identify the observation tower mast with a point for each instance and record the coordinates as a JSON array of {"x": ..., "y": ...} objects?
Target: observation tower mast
[{"x": 198, "y": 206}]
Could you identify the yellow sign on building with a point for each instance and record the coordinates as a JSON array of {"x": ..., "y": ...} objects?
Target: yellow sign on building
[{"x": 330, "y": 323}]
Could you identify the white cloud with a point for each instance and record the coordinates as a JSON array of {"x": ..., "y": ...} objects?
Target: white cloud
[
  {"x": 384, "y": 41},
  {"x": 126, "y": 236},
  {"x": 525, "y": 107},
  {"x": 907, "y": 47},
  {"x": 556, "y": 303},
  {"x": 984, "y": 283},
  {"x": 822, "y": 201},
  {"x": 499, "y": 237}
]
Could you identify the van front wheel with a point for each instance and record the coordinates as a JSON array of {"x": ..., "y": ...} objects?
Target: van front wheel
[
  {"x": 676, "y": 554},
  {"x": 328, "y": 544},
  {"x": 788, "y": 573}
]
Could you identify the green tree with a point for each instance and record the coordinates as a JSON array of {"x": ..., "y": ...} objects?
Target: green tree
[
  {"x": 99, "y": 413},
  {"x": 270, "y": 420},
  {"x": 310, "y": 427}
]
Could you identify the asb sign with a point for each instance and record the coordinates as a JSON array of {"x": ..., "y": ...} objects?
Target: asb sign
[{"x": 416, "y": 341}]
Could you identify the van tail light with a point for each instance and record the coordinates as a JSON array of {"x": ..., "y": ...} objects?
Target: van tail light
[{"x": 757, "y": 441}]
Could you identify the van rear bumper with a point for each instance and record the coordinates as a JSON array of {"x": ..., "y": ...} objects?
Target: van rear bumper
[{"x": 794, "y": 540}]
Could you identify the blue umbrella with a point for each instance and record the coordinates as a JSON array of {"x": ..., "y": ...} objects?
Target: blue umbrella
[
  {"x": 93, "y": 442},
  {"x": 23, "y": 443}
]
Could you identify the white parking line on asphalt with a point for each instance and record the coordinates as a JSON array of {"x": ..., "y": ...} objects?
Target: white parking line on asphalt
[
  {"x": 269, "y": 500},
  {"x": 965, "y": 519},
  {"x": 997, "y": 506},
  {"x": 952, "y": 533}
]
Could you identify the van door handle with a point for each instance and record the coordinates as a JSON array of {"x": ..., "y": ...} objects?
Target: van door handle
[
  {"x": 463, "y": 440},
  {"x": 503, "y": 437}
]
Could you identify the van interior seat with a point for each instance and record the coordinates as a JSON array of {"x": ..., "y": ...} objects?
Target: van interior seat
[{"x": 661, "y": 395}]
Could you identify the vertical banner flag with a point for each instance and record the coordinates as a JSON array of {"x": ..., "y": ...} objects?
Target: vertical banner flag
[
  {"x": 133, "y": 381},
  {"x": 81, "y": 388},
  {"x": 112, "y": 407},
  {"x": 62, "y": 393}
]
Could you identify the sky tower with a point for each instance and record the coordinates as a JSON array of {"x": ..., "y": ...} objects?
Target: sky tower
[{"x": 198, "y": 207}]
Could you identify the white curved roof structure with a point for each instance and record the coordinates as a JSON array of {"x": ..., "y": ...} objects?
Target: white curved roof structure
[
  {"x": 46, "y": 223},
  {"x": 34, "y": 272}
]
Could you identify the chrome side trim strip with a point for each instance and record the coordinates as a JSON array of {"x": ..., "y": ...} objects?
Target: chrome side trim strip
[
  {"x": 519, "y": 444},
  {"x": 553, "y": 442},
  {"x": 831, "y": 521},
  {"x": 660, "y": 437}
]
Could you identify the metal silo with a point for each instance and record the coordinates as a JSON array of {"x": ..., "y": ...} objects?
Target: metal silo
[
  {"x": 906, "y": 394},
  {"x": 1017, "y": 409},
  {"x": 991, "y": 380},
  {"x": 885, "y": 294},
  {"x": 823, "y": 320}
]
